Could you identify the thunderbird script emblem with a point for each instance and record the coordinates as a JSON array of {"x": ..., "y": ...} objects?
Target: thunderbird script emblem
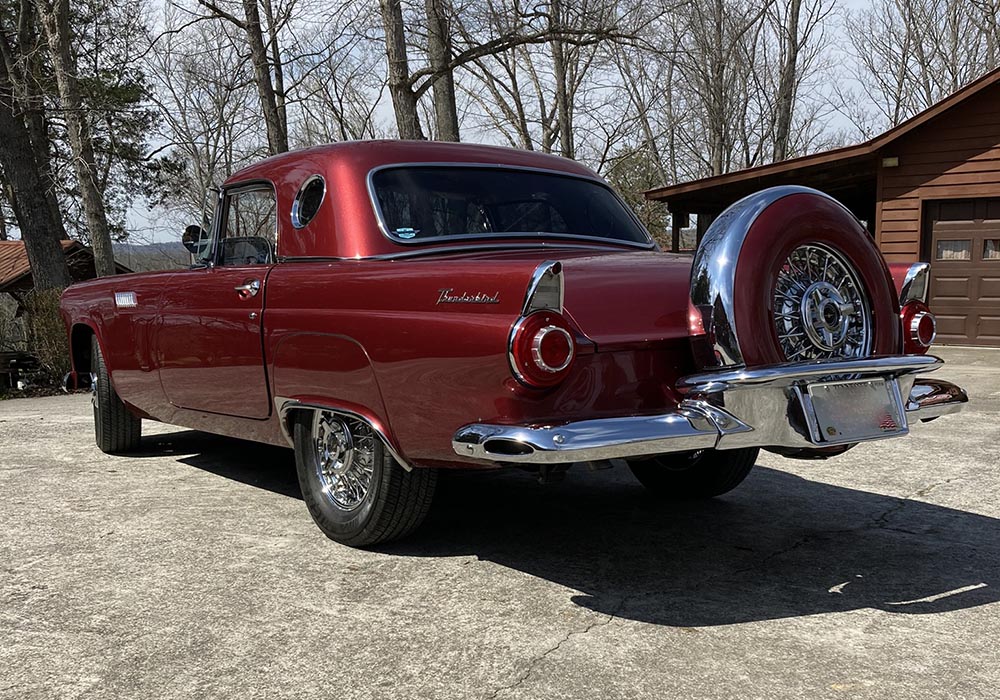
[{"x": 448, "y": 296}]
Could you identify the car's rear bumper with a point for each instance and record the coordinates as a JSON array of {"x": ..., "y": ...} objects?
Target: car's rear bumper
[{"x": 761, "y": 407}]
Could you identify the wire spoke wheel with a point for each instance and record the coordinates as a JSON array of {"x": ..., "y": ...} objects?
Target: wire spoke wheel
[
  {"x": 345, "y": 458},
  {"x": 821, "y": 310}
]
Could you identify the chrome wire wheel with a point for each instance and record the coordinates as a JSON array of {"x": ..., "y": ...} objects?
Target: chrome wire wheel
[
  {"x": 345, "y": 458},
  {"x": 821, "y": 310}
]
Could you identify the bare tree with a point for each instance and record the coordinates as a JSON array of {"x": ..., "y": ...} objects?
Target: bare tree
[
  {"x": 912, "y": 53},
  {"x": 266, "y": 58},
  {"x": 204, "y": 89},
  {"x": 786, "y": 83},
  {"x": 55, "y": 19},
  {"x": 439, "y": 54},
  {"x": 335, "y": 86},
  {"x": 404, "y": 98},
  {"x": 486, "y": 29}
]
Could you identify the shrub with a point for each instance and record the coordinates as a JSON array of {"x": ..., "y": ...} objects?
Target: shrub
[{"x": 46, "y": 335}]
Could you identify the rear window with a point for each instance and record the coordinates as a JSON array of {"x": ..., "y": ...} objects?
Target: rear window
[{"x": 426, "y": 203}]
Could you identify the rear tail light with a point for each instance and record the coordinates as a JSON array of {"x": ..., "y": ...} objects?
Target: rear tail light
[
  {"x": 919, "y": 327},
  {"x": 541, "y": 349},
  {"x": 696, "y": 320},
  {"x": 702, "y": 343}
]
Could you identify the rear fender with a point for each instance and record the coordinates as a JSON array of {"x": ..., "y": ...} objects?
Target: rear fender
[{"x": 313, "y": 371}]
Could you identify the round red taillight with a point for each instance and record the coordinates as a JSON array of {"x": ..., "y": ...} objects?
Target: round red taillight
[
  {"x": 541, "y": 349},
  {"x": 919, "y": 327},
  {"x": 923, "y": 328},
  {"x": 552, "y": 349}
]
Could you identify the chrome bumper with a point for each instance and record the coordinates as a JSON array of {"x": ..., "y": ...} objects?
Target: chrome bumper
[{"x": 759, "y": 407}]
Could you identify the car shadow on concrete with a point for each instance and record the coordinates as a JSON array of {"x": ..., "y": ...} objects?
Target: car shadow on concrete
[
  {"x": 779, "y": 546},
  {"x": 262, "y": 466}
]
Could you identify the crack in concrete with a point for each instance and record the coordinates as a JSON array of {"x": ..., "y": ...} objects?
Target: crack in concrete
[
  {"x": 601, "y": 622},
  {"x": 880, "y": 522}
]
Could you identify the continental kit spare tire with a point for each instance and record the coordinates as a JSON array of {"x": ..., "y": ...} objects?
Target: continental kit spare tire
[{"x": 808, "y": 283}]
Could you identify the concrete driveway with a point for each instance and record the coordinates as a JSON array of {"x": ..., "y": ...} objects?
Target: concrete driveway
[{"x": 193, "y": 570}]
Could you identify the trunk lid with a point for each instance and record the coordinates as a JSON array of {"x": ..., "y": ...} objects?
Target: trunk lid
[{"x": 629, "y": 299}]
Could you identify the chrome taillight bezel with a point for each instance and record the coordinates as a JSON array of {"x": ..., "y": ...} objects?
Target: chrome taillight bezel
[
  {"x": 536, "y": 348},
  {"x": 915, "y": 321}
]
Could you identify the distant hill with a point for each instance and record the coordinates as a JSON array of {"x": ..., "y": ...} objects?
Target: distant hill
[{"x": 152, "y": 256}]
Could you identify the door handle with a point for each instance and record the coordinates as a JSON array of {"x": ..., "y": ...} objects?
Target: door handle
[{"x": 248, "y": 289}]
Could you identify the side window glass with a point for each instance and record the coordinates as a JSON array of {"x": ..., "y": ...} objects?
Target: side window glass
[{"x": 250, "y": 228}]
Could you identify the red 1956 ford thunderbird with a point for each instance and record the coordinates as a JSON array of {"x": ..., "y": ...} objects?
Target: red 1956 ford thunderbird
[{"x": 390, "y": 309}]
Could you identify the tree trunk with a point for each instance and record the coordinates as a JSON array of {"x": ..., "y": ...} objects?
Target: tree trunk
[
  {"x": 786, "y": 83},
  {"x": 404, "y": 101},
  {"x": 438, "y": 55},
  {"x": 55, "y": 21},
  {"x": 25, "y": 76},
  {"x": 27, "y": 195},
  {"x": 279, "y": 70},
  {"x": 564, "y": 118},
  {"x": 277, "y": 134}
]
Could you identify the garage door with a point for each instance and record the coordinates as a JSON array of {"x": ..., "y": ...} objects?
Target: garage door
[{"x": 965, "y": 270}]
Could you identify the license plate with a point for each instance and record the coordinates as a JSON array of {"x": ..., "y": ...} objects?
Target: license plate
[{"x": 852, "y": 411}]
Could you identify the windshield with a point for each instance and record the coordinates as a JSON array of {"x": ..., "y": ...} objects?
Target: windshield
[{"x": 421, "y": 203}]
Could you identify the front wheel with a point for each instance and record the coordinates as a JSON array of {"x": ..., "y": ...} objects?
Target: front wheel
[
  {"x": 116, "y": 428},
  {"x": 695, "y": 475},
  {"x": 355, "y": 491}
]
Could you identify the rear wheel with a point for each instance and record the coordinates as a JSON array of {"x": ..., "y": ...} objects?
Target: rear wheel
[
  {"x": 116, "y": 428},
  {"x": 695, "y": 475},
  {"x": 355, "y": 491}
]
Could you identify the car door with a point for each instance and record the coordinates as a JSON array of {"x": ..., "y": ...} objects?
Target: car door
[{"x": 209, "y": 342}]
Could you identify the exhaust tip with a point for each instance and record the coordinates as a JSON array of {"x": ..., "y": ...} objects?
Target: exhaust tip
[{"x": 509, "y": 448}]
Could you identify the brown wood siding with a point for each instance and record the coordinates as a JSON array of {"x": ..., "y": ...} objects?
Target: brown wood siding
[{"x": 956, "y": 155}]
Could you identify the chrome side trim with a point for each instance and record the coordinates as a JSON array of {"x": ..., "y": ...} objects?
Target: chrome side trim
[
  {"x": 915, "y": 284},
  {"x": 759, "y": 408},
  {"x": 283, "y": 406},
  {"x": 457, "y": 250},
  {"x": 713, "y": 273}
]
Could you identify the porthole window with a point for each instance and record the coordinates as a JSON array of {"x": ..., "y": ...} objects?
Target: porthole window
[{"x": 307, "y": 201}]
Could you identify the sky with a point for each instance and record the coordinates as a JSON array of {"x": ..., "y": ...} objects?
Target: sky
[{"x": 147, "y": 226}]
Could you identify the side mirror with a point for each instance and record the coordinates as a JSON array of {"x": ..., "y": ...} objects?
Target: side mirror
[{"x": 195, "y": 239}]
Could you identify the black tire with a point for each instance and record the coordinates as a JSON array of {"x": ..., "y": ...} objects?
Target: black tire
[
  {"x": 395, "y": 504},
  {"x": 116, "y": 428},
  {"x": 695, "y": 475}
]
